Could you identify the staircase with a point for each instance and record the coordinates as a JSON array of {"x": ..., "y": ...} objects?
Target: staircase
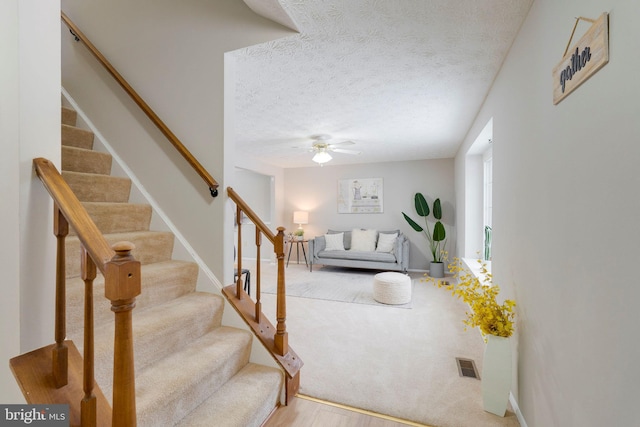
[{"x": 190, "y": 369}]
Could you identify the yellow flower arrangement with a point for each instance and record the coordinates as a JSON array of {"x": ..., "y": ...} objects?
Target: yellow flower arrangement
[{"x": 492, "y": 318}]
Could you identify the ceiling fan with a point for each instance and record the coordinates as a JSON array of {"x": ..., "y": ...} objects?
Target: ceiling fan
[{"x": 321, "y": 148}]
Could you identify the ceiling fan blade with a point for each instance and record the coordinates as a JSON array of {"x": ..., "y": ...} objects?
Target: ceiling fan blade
[
  {"x": 343, "y": 143},
  {"x": 341, "y": 150}
]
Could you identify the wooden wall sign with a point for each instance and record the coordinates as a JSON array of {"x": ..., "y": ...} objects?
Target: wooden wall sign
[{"x": 583, "y": 59}]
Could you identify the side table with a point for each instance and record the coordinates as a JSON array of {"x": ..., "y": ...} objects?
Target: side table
[{"x": 299, "y": 243}]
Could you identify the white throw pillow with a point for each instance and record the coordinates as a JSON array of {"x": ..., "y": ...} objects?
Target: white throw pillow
[
  {"x": 386, "y": 242},
  {"x": 363, "y": 240},
  {"x": 334, "y": 242}
]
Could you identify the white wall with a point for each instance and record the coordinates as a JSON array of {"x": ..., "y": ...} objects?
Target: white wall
[
  {"x": 10, "y": 191},
  {"x": 257, "y": 190},
  {"x": 29, "y": 127},
  {"x": 261, "y": 187},
  {"x": 565, "y": 242},
  {"x": 173, "y": 54},
  {"x": 315, "y": 189}
]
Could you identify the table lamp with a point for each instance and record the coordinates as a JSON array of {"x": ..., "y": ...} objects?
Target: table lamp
[{"x": 300, "y": 217}]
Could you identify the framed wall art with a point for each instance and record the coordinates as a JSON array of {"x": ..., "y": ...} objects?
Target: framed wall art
[{"x": 361, "y": 195}]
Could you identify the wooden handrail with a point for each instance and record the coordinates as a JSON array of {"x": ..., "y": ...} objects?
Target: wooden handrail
[
  {"x": 244, "y": 207},
  {"x": 195, "y": 164},
  {"x": 75, "y": 214},
  {"x": 122, "y": 285}
]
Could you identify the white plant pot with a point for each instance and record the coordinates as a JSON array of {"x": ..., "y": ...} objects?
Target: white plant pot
[{"x": 496, "y": 375}]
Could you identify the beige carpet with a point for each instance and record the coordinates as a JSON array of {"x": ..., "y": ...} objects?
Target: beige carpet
[{"x": 394, "y": 362}]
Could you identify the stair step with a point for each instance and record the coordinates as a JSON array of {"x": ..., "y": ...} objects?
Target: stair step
[
  {"x": 190, "y": 370},
  {"x": 77, "y": 137},
  {"x": 150, "y": 247},
  {"x": 89, "y": 187},
  {"x": 167, "y": 391},
  {"x": 83, "y": 160},
  {"x": 159, "y": 332},
  {"x": 118, "y": 217},
  {"x": 256, "y": 387},
  {"x": 69, "y": 116},
  {"x": 161, "y": 282}
]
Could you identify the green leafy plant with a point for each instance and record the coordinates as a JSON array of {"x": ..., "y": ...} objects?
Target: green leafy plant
[{"x": 437, "y": 237}]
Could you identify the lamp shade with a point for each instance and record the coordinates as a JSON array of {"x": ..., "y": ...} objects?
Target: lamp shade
[
  {"x": 300, "y": 217},
  {"x": 321, "y": 157}
]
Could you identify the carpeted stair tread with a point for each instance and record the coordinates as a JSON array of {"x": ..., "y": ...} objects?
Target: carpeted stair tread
[
  {"x": 151, "y": 246},
  {"x": 183, "y": 356},
  {"x": 77, "y": 137},
  {"x": 246, "y": 400},
  {"x": 173, "y": 387},
  {"x": 118, "y": 217},
  {"x": 89, "y": 187},
  {"x": 159, "y": 332},
  {"x": 69, "y": 116},
  {"x": 161, "y": 282},
  {"x": 82, "y": 160}
]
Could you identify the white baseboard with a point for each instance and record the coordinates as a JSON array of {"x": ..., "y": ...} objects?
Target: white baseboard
[{"x": 516, "y": 409}]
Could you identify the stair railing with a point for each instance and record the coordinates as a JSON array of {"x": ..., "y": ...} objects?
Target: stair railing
[
  {"x": 276, "y": 341},
  {"x": 173, "y": 139},
  {"x": 122, "y": 284}
]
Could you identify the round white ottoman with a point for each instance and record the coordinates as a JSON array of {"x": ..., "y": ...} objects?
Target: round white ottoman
[{"x": 392, "y": 288}]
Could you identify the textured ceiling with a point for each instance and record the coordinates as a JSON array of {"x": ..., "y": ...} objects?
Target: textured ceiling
[{"x": 403, "y": 79}]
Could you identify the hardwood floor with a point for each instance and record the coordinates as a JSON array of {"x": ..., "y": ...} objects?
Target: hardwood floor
[{"x": 305, "y": 411}]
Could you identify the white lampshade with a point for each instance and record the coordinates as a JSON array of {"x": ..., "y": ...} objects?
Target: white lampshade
[
  {"x": 321, "y": 157},
  {"x": 300, "y": 217}
]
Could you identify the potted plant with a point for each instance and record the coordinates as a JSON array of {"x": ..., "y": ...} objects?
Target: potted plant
[
  {"x": 299, "y": 233},
  {"x": 436, "y": 238},
  {"x": 495, "y": 322}
]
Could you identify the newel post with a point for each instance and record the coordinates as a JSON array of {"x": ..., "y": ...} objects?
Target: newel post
[
  {"x": 281, "y": 339},
  {"x": 122, "y": 285}
]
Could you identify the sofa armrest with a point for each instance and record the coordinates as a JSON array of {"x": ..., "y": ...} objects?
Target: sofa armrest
[
  {"x": 316, "y": 245},
  {"x": 402, "y": 251}
]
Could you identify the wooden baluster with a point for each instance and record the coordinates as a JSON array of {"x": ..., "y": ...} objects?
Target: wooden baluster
[
  {"x": 281, "y": 339},
  {"x": 88, "y": 411},
  {"x": 122, "y": 285},
  {"x": 258, "y": 296},
  {"x": 60, "y": 354},
  {"x": 239, "y": 264}
]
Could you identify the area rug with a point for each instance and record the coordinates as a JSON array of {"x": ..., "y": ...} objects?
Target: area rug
[{"x": 326, "y": 283}]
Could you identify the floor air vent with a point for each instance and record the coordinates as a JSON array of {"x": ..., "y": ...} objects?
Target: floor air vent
[{"x": 467, "y": 368}]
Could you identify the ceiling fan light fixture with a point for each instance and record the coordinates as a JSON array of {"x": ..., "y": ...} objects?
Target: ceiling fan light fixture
[{"x": 321, "y": 157}]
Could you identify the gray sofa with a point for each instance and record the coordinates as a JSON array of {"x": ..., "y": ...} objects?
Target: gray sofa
[{"x": 396, "y": 260}]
